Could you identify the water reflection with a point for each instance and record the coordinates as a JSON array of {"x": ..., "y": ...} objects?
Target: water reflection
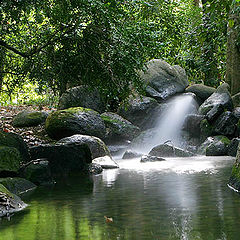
[{"x": 146, "y": 203}]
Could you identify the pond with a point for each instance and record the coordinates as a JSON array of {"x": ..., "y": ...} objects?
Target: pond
[{"x": 176, "y": 199}]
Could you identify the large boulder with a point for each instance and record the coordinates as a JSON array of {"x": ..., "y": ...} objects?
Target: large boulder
[
  {"x": 220, "y": 97},
  {"x": 164, "y": 80},
  {"x": 97, "y": 147},
  {"x": 9, "y": 202},
  {"x": 17, "y": 185},
  {"x": 234, "y": 180},
  {"x": 201, "y": 91},
  {"x": 118, "y": 128},
  {"x": 140, "y": 111},
  {"x": 29, "y": 118},
  {"x": 192, "y": 124},
  {"x": 214, "y": 113},
  {"x": 64, "y": 159},
  {"x": 166, "y": 150},
  {"x": 215, "y": 146},
  {"x": 81, "y": 96},
  {"x": 226, "y": 124},
  {"x": 65, "y": 123},
  {"x": 9, "y": 160},
  {"x": 13, "y": 140}
]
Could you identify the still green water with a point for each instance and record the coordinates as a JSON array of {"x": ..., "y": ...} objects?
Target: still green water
[{"x": 178, "y": 199}]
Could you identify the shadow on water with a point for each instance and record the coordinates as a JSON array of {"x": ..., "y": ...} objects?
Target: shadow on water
[{"x": 149, "y": 202}]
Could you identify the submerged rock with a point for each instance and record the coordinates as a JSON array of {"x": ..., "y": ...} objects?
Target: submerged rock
[
  {"x": 94, "y": 168},
  {"x": 96, "y": 145},
  {"x": 148, "y": 158},
  {"x": 166, "y": 150},
  {"x": 106, "y": 162},
  {"x": 131, "y": 154},
  {"x": 16, "y": 141},
  {"x": 9, "y": 161},
  {"x": 220, "y": 97},
  {"x": 29, "y": 118},
  {"x": 65, "y": 123},
  {"x": 201, "y": 91},
  {"x": 234, "y": 180},
  {"x": 81, "y": 96},
  {"x": 9, "y": 202},
  {"x": 164, "y": 80},
  {"x": 141, "y": 111},
  {"x": 118, "y": 128},
  {"x": 215, "y": 146},
  {"x": 17, "y": 185}
]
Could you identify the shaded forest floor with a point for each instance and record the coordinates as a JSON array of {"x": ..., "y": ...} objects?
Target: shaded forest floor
[{"x": 33, "y": 136}]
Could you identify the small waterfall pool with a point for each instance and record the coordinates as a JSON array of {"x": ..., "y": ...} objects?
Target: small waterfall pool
[{"x": 184, "y": 199}]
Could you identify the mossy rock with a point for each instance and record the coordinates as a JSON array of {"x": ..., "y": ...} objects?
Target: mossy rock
[
  {"x": 29, "y": 118},
  {"x": 118, "y": 128},
  {"x": 17, "y": 185},
  {"x": 236, "y": 100},
  {"x": 67, "y": 122},
  {"x": 215, "y": 146},
  {"x": 9, "y": 202},
  {"x": 9, "y": 159},
  {"x": 16, "y": 141},
  {"x": 234, "y": 180},
  {"x": 206, "y": 129}
]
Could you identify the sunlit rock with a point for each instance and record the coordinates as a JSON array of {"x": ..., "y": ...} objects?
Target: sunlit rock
[{"x": 106, "y": 162}]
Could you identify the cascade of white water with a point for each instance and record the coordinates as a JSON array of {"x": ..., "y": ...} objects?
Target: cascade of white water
[{"x": 169, "y": 125}]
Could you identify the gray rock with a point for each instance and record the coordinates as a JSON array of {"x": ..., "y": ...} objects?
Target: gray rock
[
  {"x": 131, "y": 154},
  {"x": 64, "y": 159},
  {"x": 215, "y": 146},
  {"x": 166, "y": 150},
  {"x": 65, "y": 123},
  {"x": 96, "y": 145},
  {"x": 118, "y": 128},
  {"x": 236, "y": 112},
  {"x": 17, "y": 185},
  {"x": 9, "y": 202},
  {"x": 192, "y": 124},
  {"x": 165, "y": 79},
  {"x": 29, "y": 118},
  {"x": 141, "y": 111},
  {"x": 9, "y": 161},
  {"x": 148, "y": 158},
  {"x": 38, "y": 172},
  {"x": 94, "y": 168},
  {"x": 206, "y": 129},
  {"x": 81, "y": 96},
  {"x": 232, "y": 149},
  {"x": 201, "y": 91},
  {"x": 14, "y": 140},
  {"x": 226, "y": 124},
  {"x": 234, "y": 180},
  {"x": 106, "y": 162},
  {"x": 236, "y": 100},
  {"x": 214, "y": 113},
  {"x": 220, "y": 97}
]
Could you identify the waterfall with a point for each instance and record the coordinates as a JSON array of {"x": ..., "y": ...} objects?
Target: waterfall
[{"x": 168, "y": 127}]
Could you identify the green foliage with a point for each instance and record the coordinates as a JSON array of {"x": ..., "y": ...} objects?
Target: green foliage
[{"x": 103, "y": 43}]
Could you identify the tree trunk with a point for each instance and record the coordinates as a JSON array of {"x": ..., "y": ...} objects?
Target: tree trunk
[
  {"x": 2, "y": 57},
  {"x": 233, "y": 53}
]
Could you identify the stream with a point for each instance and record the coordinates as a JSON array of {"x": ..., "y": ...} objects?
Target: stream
[{"x": 181, "y": 198}]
